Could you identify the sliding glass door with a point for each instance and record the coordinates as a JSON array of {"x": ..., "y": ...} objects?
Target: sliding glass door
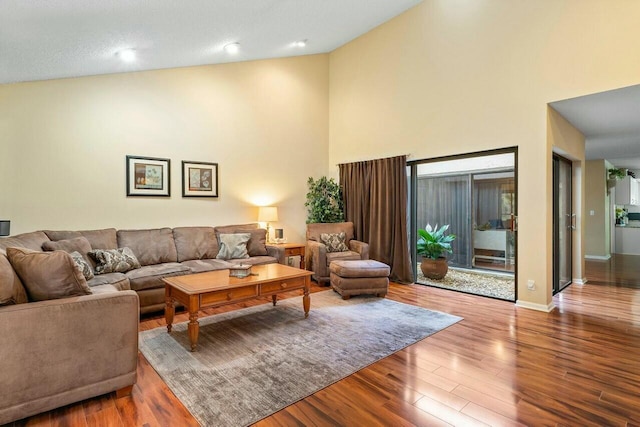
[
  {"x": 563, "y": 223},
  {"x": 476, "y": 196}
]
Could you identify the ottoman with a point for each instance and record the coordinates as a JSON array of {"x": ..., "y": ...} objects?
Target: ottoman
[{"x": 359, "y": 277}]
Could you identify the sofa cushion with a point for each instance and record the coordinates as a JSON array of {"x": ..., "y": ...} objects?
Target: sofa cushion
[
  {"x": 233, "y": 246},
  {"x": 77, "y": 244},
  {"x": 33, "y": 241},
  {"x": 202, "y": 265},
  {"x": 11, "y": 289},
  {"x": 114, "y": 260},
  {"x": 153, "y": 246},
  {"x": 237, "y": 228},
  {"x": 48, "y": 275},
  {"x": 335, "y": 242},
  {"x": 117, "y": 280},
  {"x": 83, "y": 265},
  {"x": 343, "y": 256},
  {"x": 195, "y": 243},
  {"x": 359, "y": 268},
  {"x": 255, "y": 260},
  {"x": 150, "y": 276},
  {"x": 98, "y": 239}
]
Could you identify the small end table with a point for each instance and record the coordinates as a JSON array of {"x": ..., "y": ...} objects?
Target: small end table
[{"x": 292, "y": 249}]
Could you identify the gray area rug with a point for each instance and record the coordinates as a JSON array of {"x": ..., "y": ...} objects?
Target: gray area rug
[{"x": 255, "y": 361}]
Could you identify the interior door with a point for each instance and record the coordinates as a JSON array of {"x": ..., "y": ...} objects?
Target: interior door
[{"x": 563, "y": 223}]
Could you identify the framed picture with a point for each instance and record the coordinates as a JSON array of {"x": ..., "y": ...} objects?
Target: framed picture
[
  {"x": 199, "y": 179},
  {"x": 148, "y": 176}
]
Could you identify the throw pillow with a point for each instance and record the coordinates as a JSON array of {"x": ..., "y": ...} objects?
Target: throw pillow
[
  {"x": 48, "y": 275},
  {"x": 83, "y": 265},
  {"x": 334, "y": 241},
  {"x": 233, "y": 246},
  {"x": 77, "y": 244},
  {"x": 11, "y": 289},
  {"x": 114, "y": 260},
  {"x": 257, "y": 244}
]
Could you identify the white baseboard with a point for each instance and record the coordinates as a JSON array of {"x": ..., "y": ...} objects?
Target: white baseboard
[
  {"x": 582, "y": 281},
  {"x": 598, "y": 257},
  {"x": 538, "y": 307}
]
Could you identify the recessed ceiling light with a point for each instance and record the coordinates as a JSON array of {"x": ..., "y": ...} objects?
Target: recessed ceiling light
[
  {"x": 127, "y": 55},
  {"x": 301, "y": 43},
  {"x": 232, "y": 48}
]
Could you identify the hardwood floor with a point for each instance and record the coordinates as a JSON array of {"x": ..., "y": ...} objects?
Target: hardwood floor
[{"x": 501, "y": 365}]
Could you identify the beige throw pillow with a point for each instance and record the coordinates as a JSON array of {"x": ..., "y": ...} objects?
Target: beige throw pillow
[
  {"x": 334, "y": 241},
  {"x": 118, "y": 260},
  {"x": 48, "y": 275},
  {"x": 233, "y": 246}
]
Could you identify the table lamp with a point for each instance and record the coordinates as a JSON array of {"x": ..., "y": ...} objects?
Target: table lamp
[
  {"x": 268, "y": 214},
  {"x": 5, "y": 226}
]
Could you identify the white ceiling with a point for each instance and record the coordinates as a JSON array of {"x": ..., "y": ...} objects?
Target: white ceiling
[
  {"x": 47, "y": 39},
  {"x": 610, "y": 121}
]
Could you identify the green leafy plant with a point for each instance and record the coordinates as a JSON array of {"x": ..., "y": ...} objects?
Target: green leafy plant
[
  {"x": 324, "y": 201},
  {"x": 615, "y": 173},
  {"x": 432, "y": 242}
]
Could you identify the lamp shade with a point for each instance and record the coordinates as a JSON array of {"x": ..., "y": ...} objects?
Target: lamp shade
[
  {"x": 267, "y": 213},
  {"x": 5, "y": 226}
]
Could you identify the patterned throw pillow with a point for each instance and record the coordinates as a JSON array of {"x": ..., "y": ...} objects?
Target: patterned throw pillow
[
  {"x": 83, "y": 265},
  {"x": 334, "y": 241},
  {"x": 114, "y": 260},
  {"x": 233, "y": 246}
]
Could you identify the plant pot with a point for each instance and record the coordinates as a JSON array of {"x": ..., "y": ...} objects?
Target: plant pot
[{"x": 434, "y": 268}]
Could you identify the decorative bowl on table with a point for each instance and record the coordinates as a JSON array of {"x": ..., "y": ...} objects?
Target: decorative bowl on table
[{"x": 240, "y": 270}]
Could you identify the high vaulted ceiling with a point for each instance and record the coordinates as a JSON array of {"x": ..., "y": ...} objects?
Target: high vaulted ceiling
[{"x": 47, "y": 39}]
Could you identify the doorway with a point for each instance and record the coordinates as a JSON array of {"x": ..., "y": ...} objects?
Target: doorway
[
  {"x": 563, "y": 223},
  {"x": 475, "y": 194}
]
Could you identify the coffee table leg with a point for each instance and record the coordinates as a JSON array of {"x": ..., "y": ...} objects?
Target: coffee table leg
[
  {"x": 194, "y": 328},
  {"x": 306, "y": 301},
  {"x": 274, "y": 298},
  {"x": 169, "y": 311}
]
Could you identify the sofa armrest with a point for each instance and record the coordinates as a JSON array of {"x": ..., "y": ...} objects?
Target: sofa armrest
[
  {"x": 318, "y": 258},
  {"x": 277, "y": 252},
  {"x": 361, "y": 247},
  {"x": 61, "y": 351}
]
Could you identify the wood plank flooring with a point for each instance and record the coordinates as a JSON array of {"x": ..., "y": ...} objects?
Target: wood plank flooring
[{"x": 500, "y": 366}]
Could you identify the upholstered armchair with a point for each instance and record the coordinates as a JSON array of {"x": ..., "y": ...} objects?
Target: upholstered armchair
[{"x": 323, "y": 246}]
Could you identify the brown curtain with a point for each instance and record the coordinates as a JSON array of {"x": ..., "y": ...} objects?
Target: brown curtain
[{"x": 375, "y": 200}]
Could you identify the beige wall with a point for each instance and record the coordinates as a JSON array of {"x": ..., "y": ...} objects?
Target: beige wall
[
  {"x": 64, "y": 144},
  {"x": 456, "y": 76},
  {"x": 597, "y": 226}
]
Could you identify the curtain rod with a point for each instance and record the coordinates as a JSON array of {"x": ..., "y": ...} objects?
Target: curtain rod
[{"x": 370, "y": 160}]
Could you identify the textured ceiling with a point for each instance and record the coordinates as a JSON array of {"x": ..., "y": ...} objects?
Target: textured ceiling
[{"x": 46, "y": 39}]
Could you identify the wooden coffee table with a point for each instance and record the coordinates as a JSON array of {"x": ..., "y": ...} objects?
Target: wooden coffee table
[{"x": 216, "y": 288}]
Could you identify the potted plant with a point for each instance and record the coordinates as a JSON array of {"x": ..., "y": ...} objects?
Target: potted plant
[
  {"x": 615, "y": 173},
  {"x": 324, "y": 201},
  {"x": 432, "y": 245}
]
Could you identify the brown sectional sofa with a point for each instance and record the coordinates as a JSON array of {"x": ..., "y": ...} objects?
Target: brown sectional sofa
[
  {"x": 61, "y": 351},
  {"x": 162, "y": 252}
]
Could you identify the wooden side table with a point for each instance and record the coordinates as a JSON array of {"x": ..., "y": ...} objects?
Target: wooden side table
[{"x": 292, "y": 249}]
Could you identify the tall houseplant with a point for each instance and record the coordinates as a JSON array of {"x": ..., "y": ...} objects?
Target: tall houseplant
[
  {"x": 432, "y": 245},
  {"x": 324, "y": 201}
]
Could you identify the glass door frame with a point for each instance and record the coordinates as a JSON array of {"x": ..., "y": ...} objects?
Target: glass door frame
[
  {"x": 412, "y": 167},
  {"x": 557, "y": 286}
]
